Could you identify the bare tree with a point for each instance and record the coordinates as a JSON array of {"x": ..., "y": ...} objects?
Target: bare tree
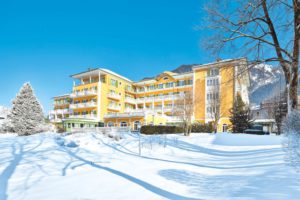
[
  {"x": 213, "y": 105},
  {"x": 265, "y": 31},
  {"x": 184, "y": 109}
]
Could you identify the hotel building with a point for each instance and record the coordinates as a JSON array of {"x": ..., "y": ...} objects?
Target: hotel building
[{"x": 101, "y": 97}]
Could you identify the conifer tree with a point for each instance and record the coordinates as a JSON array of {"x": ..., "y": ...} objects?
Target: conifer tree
[
  {"x": 26, "y": 116},
  {"x": 240, "y": 116}
]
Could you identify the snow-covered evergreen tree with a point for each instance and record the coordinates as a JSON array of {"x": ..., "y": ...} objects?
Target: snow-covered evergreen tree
[
  {"x": 240, "y": 116},
  {"x": 26, "y": 116}
]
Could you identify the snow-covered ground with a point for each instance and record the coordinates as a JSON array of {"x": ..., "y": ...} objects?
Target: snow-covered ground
[{"x": 93, "y": 166}]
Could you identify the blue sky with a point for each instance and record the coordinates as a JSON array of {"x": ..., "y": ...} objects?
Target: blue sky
[{"x": 46, "y": 41}]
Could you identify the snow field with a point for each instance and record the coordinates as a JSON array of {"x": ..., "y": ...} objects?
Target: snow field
[{"x": 93, "y": 166}]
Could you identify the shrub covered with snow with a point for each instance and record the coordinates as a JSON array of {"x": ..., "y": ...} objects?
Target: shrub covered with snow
[
  {"x": 291, "y": 130},
  {"x": 26, "y": 116},
  {"x": 4, "y": 112}
]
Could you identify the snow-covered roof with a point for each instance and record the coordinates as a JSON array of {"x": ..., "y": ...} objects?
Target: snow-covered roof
[
  {"x": 218, "y": 62},
  {"x": 96, "y": 71},
  {"x": 264, "y": 121}
]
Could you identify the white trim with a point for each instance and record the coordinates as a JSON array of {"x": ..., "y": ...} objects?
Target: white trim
[
  {"x": 216, "y": 64},
  {"x": 99, "y": 97},
  {"x": 94, "y": 72}
]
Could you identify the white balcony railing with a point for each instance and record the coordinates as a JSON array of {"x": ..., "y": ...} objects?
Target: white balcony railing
[
  {"x": 87, "y": 116},
  {"x": 114, "y": 107},
  {"x": 174, "y": 119},
  {"x": 130, "y": 100},
  {"x": 114, "y": 96},
  {"x": 83, "y": 105},
  {"x": 83, "y": 93},
  {"x": 127, "y": 110},
  {"x": 61, "y": 103},
  {"x": 59, "y": 111},
  {"x": 158, "y": 98},
  {"x": 58, "y": 120},
  {"x": 131, "y": 114}
]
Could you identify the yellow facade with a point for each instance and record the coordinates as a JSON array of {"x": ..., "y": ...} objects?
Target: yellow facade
[{"x": 102, "y": 96}]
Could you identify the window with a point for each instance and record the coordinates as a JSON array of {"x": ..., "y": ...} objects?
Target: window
[
  {"x": 212, "y": 96},
  {"x": 110, "y": 124},
  {"x": 141, "y": 89},
  {"x": 113, "y": 82},
  {"x": 189, "y": 82},
  {"x": 213, "y": 72},
  {"x": 137, "y": 125},
  {"x": 102, "y": 79},
  {"x": 151, "y": 87},
  {"x": 169, "y": 85},
  {"x": 160, "y": 86},
  {"x": 166, "y": 78},
  {"x": 180, "y": 83},
  {"x": 225, "y": 127},
  {"x": 123, "y": 124}
]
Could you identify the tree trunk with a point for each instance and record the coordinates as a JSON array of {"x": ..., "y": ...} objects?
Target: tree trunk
[{"x": 295, "y": 62}]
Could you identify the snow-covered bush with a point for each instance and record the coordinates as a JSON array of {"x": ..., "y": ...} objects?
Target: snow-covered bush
[
  {"x": 291, "y": 130},
  {"x": 4, "y": 122},
  {"x": 26, "y": 116}
]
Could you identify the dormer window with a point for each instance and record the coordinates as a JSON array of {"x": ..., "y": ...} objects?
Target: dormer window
[{"x": 166, "y": 78}]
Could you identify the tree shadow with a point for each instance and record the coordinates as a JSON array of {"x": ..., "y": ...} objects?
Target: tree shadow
[
  {"x": 141, "y": 183},
  {"x": 18, "y": 152},
  {"x": 119, "y": 147},
  {"x": 270, "y": 185}
]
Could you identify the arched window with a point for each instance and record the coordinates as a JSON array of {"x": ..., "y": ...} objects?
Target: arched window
[
  {"x": 123, "y": 124},
  {"x": 110, "y": 124}
]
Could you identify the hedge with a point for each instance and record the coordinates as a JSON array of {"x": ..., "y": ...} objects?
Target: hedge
[
  {"x": 150, "y": 130},
  {"x": 202, "y": 128}
]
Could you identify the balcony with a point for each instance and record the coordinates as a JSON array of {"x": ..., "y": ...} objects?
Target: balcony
[
  {"x": 124, "y": 115},
  {"x": 173, "y": 119},
  {"x": 114, "y": 96},
  {"x": 61, "y": 103},
  {"x": 59, "y": 111},
  {"x": 87, "y": 116},
  {"x": 158, "y": 98},
  {"x": 83, "y": 105},
  {"x": 58, "y": 120},
  {"x": 114, "y": 107},
  {"x": 127, "y": 110},
  {"x": 130, "y": 100},
  {"x": 169, "y": 109},
  {"x": 83, "y": 93},
  {"x": 130, "y": 90}
]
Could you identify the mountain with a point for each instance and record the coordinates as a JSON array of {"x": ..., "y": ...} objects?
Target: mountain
[
  {"x": 184, "y": 68},
  {"x": 266, "y": 81}
]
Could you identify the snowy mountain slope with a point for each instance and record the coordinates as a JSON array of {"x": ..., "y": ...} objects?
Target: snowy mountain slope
[{"x": 266, "y": 81}]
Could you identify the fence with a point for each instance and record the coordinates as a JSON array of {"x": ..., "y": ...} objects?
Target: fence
[{"x": 102, "y": 130}]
